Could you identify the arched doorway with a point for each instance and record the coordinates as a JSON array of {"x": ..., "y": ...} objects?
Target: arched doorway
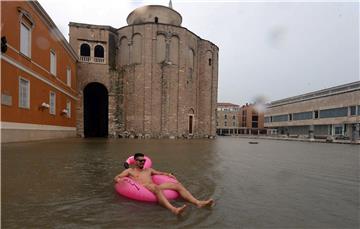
[{"x": 95, "y": 110}]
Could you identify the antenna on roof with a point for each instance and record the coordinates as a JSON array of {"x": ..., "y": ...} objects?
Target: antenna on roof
[{"x": 170, "y": 4}]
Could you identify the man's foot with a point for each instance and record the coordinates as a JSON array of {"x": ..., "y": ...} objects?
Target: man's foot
[
  {"x": 180, "y": 210},
  {"x": 206, "y": 203}
]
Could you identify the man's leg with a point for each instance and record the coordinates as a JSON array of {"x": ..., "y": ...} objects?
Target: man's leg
[
  {"x": 184, "y": 193},
  {"x": 163, "y": 201}
]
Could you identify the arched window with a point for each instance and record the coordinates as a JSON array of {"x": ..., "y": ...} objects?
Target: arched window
[
  {"x": 136, "y": 49},
  {"x": 99, "y": 51},
  {"x": 124, "y": 51},
  {"x": 84, "y": 50},
  {"x": 174, "y": 49},
  {"x": 160, "y": 48}
]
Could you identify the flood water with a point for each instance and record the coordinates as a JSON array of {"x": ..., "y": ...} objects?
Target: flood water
[{"x": 274, "y": 184}]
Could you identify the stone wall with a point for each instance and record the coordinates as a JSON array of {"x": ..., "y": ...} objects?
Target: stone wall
[
  {"x": 167, "y": 85},
  {"x": 159, "y": 77}
]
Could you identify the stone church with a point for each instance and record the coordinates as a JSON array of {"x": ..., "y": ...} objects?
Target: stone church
[{"x": 150, "y": 79}]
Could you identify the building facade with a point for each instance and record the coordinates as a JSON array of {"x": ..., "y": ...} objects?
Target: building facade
[
  {"x": 227, "y": 115},
  {"x": 233, "y": 119},
  {"x": 227, "y": 118},
  {"x": 152, "y": 78},
  {"x": 332, "y": 112},
  {"x": 251, "y": 120},
  {"x": 38, "y": 75}
]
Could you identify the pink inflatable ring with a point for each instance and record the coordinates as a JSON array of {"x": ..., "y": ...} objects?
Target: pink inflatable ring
[{"x": 131, "y": 189}]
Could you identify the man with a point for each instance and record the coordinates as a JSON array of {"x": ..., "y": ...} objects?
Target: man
[{"x": 143, "y": 176}]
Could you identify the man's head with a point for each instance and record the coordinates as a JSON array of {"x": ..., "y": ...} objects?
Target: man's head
[{"x": 139, "y": 160}]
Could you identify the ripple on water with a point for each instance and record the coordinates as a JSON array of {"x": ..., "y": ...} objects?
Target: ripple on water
[{"x": 68, "y": 184}]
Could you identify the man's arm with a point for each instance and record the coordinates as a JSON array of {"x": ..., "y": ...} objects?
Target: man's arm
[
  {"x": 155, "y": 172},
  {"x": 123, "y": 174}
]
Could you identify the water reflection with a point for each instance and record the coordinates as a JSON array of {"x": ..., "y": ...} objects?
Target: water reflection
[{"x": 68, "y": 184}]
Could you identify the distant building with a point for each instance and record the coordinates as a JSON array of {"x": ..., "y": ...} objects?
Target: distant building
[
  {"x": 233, "y": 119},
  {"x": 251, "y": 120},
  {"x": 332, "y": 112},
  {"x": 152, "y": 78},
  {"x": 38, "y": 75},
  {"x": 227, "y": 118}
]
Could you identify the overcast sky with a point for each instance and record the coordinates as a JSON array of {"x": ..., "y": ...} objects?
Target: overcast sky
[{"x": 266, "y": 49}]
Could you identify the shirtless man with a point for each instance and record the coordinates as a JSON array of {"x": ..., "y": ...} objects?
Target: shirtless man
[{"x": 143, "y": 176}]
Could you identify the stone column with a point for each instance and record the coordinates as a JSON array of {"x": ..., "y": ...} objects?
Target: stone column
[
  {"x": 311, "y": 132},
  {"x": 355, "y": 132},
  {"x": 80, "y": 116}
]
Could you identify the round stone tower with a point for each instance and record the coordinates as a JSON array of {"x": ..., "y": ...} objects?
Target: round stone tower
[
  {"x": 170, "y": 76},
  {"x": 152, "y": 78}
]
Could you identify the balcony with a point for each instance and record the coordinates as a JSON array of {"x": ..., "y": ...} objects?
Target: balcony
[
  {"x": 99, "y": 59},
  {"x": 91, "y": 59}
]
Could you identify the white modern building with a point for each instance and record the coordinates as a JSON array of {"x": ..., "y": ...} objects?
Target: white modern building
[{"x": 329, "y": 112}]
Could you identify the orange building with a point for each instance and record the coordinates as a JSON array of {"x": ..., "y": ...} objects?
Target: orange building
[
  {"x": 38, "y": 75},
  {"x": 251, "y": 120}
]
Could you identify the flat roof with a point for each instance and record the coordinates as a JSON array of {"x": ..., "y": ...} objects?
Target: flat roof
[
  {"x": 227, "y": 105},
  {"x": 354, "y": 86}
]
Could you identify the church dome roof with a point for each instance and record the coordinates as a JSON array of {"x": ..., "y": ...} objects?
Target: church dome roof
[{"x": 154, "y": 14}]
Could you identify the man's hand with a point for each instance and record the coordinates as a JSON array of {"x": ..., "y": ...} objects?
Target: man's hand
[
  {"x": 171, "y": 175},
  {"x": 124, "y": 173}
]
